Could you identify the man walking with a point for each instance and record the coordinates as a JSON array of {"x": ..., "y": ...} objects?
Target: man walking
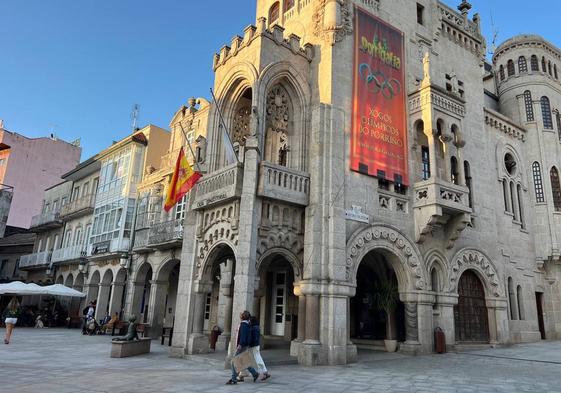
[{"x": 243, "y": 344}]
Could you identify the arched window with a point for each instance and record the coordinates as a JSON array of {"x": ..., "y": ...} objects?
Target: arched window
[
  {"x": 435, "y": 284},
  {"x": 544, "y": 65},
  {"x": 529, "y": 106},
  {"x": 546, "y": 113},
  {"x": 467, "y": 174},
  {"x": 510, "y": 68},
  {"x": 520, "y": 205},
  {"x": 555, "y": 71},
  {"x": 454, "y": 175},
  {"x": 558, "y": 121},
  {"x": 555, "y": 188},
  {"x": 506, "y": 197},
  {"x": 422, "y": 141},
  {"x": 522, "y": 65},
  {"x": 512, "y": 300},
  {"x": 513, "y": 210},
  {"x": 502, "y": 72},
  {"x": 274, "y": 13},
  {"x": 520, "y": 299},
  {"x": 538, "y": 183},
  {"x": 534, "y": 63},
  {"x": 288, "y": 4},
  {"x": 549, "y": 68}
]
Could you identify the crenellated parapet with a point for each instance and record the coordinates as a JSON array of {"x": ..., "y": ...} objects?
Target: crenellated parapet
[
  {"x": 275, "y": 33},
  {"x": 458, "y": 28}
]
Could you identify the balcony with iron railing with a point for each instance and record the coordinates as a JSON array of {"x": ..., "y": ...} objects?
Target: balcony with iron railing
[
  {"x": 165, "y": 235},
  {"x": 45, "y": 221},
  {"x": 78, "y": 208},
  {"x": 219, "y": 187},
  {"x": 439, "y": 203},
  {"x": 284, "y": 184},
  {"x": 35, "y": 260},
  {"x": 69, "y": 254}
]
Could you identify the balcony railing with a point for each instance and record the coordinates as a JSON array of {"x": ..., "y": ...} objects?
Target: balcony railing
[
  {"x": 440, "y": 204},
  {"x": 219, "y": 187},
  {"x": 168, "y": 233},
  {"x": 109, "y": 247},
  {"x": 78, "y": 207},
  {"x": 141, "y": 239},
  {"x": 284, "y": 184},
  {"x": 47, "y": 220},
  {"x": 73, "y": 253},
  {"x": 35, "y": 260}
]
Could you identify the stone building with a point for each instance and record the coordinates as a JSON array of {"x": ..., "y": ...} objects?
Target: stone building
[
  {"x": 296, "y": 237},
  {"x": 467, "y": 234}
]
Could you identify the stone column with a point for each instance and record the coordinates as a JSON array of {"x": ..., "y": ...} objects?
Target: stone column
[
  {"x": 312, "y": 319},
  {"x": 411, "y": 323},
  {"x": 498, "y": 320},
  {"x": 156, "y": 306},
  {"x": 102, "y": 300},
  {"x": 301, "y": 334},
  {"x": 198, "y": 342},
  {"x": 418, "y": 322},
  {"x": 446, "y": 305},
  {"x": 225, "y": 302},
  {"x": 115, "y": 304},
  {"x": 135, "y": 292}
]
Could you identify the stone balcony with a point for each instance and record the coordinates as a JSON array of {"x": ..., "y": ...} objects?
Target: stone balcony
[
  {"x": 38, "y": 259},
  {"x": 166, "y": 235},
  {"x": 284, "y": 184},
  {"x": 69, "y": 254},
  {"x": 78, "y": 208},
  {"x": 46, "y": 221},
  {"x": 440, "y": 204},
  {"x": 219, "y": 187}
]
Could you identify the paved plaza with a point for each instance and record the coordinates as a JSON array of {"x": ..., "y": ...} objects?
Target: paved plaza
[{"x": 57, "y": 360}]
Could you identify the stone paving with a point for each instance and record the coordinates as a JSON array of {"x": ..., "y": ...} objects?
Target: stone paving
[{"x": 58, "y": 360}]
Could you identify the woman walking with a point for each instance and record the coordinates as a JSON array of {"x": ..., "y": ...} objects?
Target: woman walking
[
  {"x": 11, "y": 314},
  {"x": 255, "y": 348}
]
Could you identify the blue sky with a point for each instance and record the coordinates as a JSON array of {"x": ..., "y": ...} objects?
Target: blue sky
[{"x": 78, "y": 67}]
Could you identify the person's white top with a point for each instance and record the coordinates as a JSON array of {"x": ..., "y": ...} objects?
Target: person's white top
[{"x": 90, "y": 312}]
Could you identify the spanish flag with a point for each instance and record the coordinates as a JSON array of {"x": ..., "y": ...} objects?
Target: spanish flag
[{"x": 184, "y": 178}]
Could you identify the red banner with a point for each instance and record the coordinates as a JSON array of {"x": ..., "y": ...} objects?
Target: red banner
[{"x": 379, "y": 124}]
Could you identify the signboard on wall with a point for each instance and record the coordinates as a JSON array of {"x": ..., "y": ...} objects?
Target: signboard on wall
[{"x": 379, "y": 124}]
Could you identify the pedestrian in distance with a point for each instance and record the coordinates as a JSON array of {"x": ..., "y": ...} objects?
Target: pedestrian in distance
[
  {"x": 11, "y": 315},
  {"x": 242, "y": 349},
  {"x": 255, "y": 348}
]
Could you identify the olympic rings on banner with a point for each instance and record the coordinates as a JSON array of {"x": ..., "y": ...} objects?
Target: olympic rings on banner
[{"x": 377, "y": 82}]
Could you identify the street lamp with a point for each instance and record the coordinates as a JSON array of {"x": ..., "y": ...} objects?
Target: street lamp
[
  {"x": 83, "y": 265},
  {"x": 124, "y": 260}
]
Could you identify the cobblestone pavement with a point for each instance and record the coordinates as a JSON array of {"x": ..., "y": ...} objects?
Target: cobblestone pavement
[{"x": 57, "y": 360}]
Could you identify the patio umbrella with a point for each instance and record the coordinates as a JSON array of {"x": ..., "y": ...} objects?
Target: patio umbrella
[
  {"x": 20, "y": 288},
  {"x": 61, "y": 290}
]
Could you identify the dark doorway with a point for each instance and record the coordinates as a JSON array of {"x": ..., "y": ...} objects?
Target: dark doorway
[
  {"x": 367, "y": 322},
  {"x": 539, "y": 307},
  {"x": 470, "y": 315}
]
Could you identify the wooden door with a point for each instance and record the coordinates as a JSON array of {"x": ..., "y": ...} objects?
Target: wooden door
[{"x": 470, "y": 315}]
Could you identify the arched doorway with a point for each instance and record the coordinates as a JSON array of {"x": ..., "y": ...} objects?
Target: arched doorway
[
  {"x": 141, "y": 295},
  {"x": 163, "y": 297},
  {"x": 117, "y": 299},
  {"x": 369, "y": 324},
  {"x": 276, "y": 304},
  {"x": 470, "y": 314},
  {"x": 93, "y": 290},
  {"x": 105, "y": 290}
]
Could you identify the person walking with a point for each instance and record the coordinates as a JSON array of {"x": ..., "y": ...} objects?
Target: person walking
[
  {"x": 243, "y": 345},
  {"x": 88, "y": 313},
  {"x": 255, "y": 348},
  {"x": 11, "y": 314}
]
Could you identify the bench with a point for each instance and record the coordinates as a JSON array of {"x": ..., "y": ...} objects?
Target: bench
[
  {"x": 123, "y": 349},
  {"x": 167, "y": 332},
  {"x": 119, "y": 328}
]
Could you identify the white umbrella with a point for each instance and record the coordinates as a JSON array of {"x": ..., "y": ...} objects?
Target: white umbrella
[
  {"x": 61, "y": 290},
  {"x": 20, "y": 288}
]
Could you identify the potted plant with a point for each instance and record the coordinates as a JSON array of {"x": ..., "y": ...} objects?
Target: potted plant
[{"x": 386, "y": 297}]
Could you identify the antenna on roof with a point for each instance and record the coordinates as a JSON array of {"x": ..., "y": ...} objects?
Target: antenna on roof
[
  {"x": 495, "y": 36},
  {"x": 134, "y": 117}
]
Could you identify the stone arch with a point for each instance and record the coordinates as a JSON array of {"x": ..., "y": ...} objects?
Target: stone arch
[
  {"x": 142, "y": 271},
  {"x": 409, "y": 271},
  {"x": 292, "y": 258},
  {"x": 284, "y": 74},
  {"x": 162, "y": 273},
  {"x": 69, "y": 281},
  {"x": 107, "y": 277},
  {"x": 243, "y": 70},
  {"x": 95, "y": 277},
  {"x": 471, "y": 259},
  {"x": 501, "y": 150},
  {"x": 435, "y": 259},
  {"x": 59, "y": 279},
  {"x": 121, "y": 275},
  {"x": 219, "y": 250}
]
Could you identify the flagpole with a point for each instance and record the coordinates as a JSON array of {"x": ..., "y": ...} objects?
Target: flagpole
[
  {"x": 189, "y": 144},
  {"x": 222, "y": 121}
]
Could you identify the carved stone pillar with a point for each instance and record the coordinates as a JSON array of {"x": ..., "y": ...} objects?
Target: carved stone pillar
[
  {"x": 225, "y": 302},
  {"x": 198, "y": 342},
  {"x": 312, "y": 319},
  {"x": 411, "y": 323}
]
